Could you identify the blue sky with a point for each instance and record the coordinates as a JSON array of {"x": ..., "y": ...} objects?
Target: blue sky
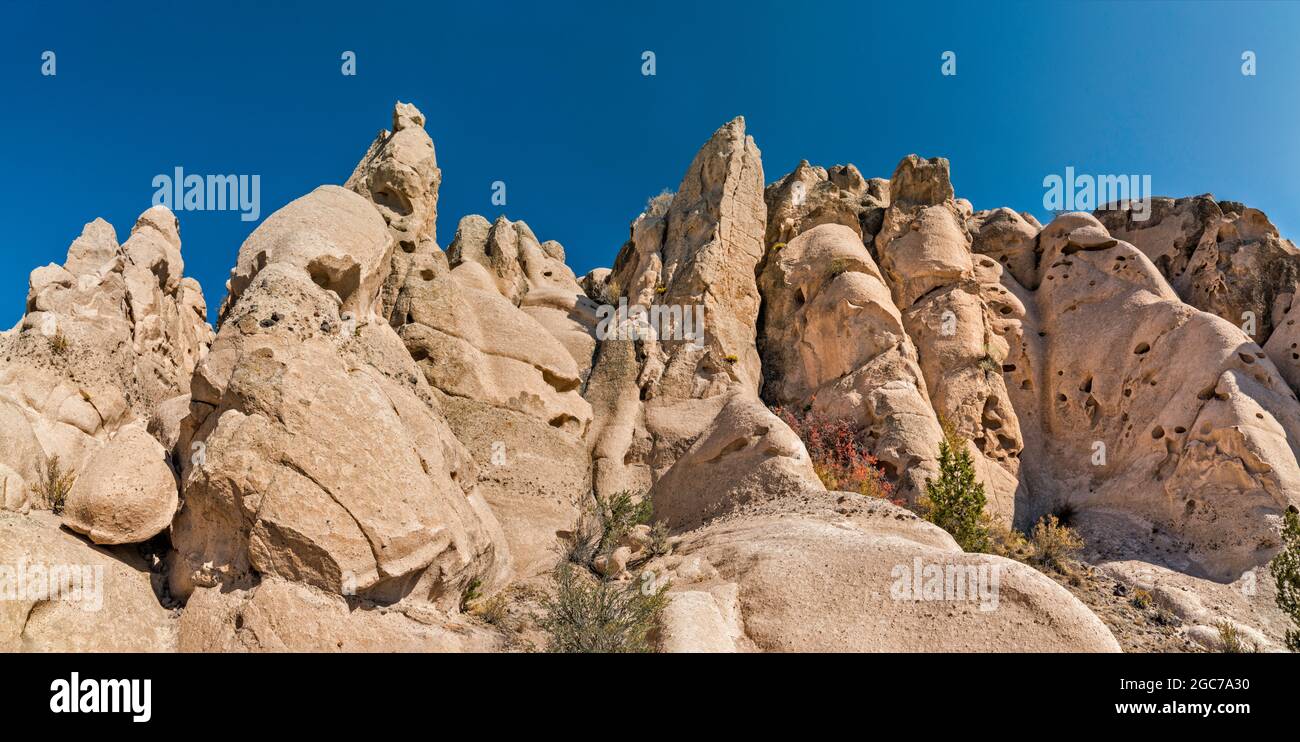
[{"x": 549, "y": 98}]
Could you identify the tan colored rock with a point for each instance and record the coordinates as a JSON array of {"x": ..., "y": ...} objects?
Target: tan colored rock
[
  {"x": 510, "y": 384},
  {"x": 745, "y": 455},
  {"x": 107, "y": 338},
  {"x": 321, "y": 456},
  {"x": 1221, "y": 257},
  {"x": 810, "y": 196},
  {"x": 811, "y": 576},
  {"x": 399, "y": 175},
  {"x": 126, "y": 493},
  {"x": 834, "y": 344},
  {"x": 694, "y": 623},
  {"x": 531, "y": 275},
  {"x": 1009, "y": 238},
  {"x": 280, "y": 616},
  {"x": 102, "y": 600},
  {"x": 1224, "y": 258},
  {"x": 1192, "y": 420},
  {"x": 703, "y": 251},
  {"x": 696, "y": 248},
  {"x": 951, "y": 302},
  {"x": 327, "y": 238}
]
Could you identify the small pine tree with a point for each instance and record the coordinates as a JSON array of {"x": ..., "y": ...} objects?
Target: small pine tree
[
  {"x": 1286, "y": 573},
  {"x": 956, "y": 501}
]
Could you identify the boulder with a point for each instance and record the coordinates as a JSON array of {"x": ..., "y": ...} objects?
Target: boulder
[{"x": 126, "y": 493}]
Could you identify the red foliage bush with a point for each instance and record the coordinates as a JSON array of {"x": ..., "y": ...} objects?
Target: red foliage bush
[{"x": 838, "y": 453}]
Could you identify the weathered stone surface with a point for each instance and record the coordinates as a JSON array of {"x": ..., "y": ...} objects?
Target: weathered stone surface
[
  {"x": 703, "y": 251},
  {"x": 1224, "y": 258},
  {"x": 806, "y": 578},
  {"x": 107, "y": 338},
  {"x": 810, "y": 196},
  {"x": 102, "y": 600},
  {"x": 399, "y": 175},
  {"x": 126, "y": 493},
  {"x": 510, "y": 377},
  {"x": 951, "y": 302},
  {"x": 1194, "y": 425},
  {"x": 281, "y": 616},
  {"x": 324, "y": 459},
  {"x": 697, "y": 248},
  {"x": 834, "y": 343}
]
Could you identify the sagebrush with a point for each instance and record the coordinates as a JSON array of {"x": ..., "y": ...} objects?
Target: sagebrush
[{"x": 589, "y": 614}]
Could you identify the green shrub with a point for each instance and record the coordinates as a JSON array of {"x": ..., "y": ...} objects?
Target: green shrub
[
  {"x": 1285, "y": 568},
  {"x": 602, "y": 524},
  {"x": 588, "y": 614},
  {"x": 470, "y": 594},
  {"x": 54, "y": 485},
  {"x": 955, "y": 502}
]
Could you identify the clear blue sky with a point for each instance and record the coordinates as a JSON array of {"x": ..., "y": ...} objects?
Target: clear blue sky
[{"x": 549, "y": 98}]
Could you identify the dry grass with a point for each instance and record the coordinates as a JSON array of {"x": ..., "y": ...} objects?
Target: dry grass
[{"x": 53, "y": 486}]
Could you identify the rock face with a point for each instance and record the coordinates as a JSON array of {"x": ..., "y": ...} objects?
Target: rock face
[
  {"x": 58, "y": 594},
  {"x": 281, "y": 616},
  {"x": 1227, "y": 259},
  {"x": 399, "y": 174},
  {"x": 107, "y": 339},
  {"x": 810, "y": 196},
  {"x": 127, "y": 493},
  {"x": 953, "y": 306},
  {"x": 510, "y": 388},
  {"x": 689, "y": 256},
  {"x": 322, "y": 456},
  {"x": 804, "y": 575},
  {"x": 1169, "y": 417},
  {"x": 834, "y": 343},
  {"x": 702, "y": 251},
  {"x": 382, "y": 432}
]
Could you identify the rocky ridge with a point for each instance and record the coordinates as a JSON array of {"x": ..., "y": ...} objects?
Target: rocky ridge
[{"x": 379, "y": 430}]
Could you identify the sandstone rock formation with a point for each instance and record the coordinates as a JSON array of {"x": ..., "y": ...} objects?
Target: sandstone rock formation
[
  {"x": 834, "y": 343},
  {"x": 1168, "y": 417},
  {"x": 501, "y": 332},
  {"x": 1224, "y": 258},
  {"x": 322, "y": 456},
  {"x": 382, "y": 434},
  {"x": 399, "y": 174},
  {"x": 952, "y": 306},
  {"x": 59, "y": 594},
  {"x": 109, "y": 337}
]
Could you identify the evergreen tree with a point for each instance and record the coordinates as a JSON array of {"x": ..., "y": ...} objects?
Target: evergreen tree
[
  {"x": 1286, "y": 573},
  {"x": 956, "y": 501}
]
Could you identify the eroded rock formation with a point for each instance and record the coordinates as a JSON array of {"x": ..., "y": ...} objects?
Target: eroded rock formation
[{"x": 382, "y": 432}]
